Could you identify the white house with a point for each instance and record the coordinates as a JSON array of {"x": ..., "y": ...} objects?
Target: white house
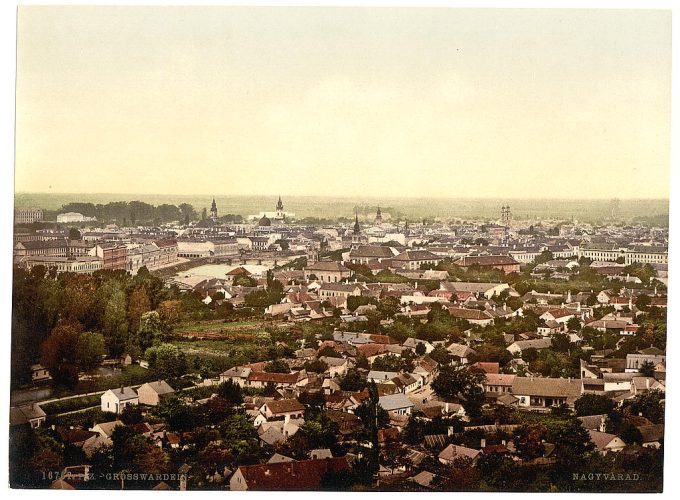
[{"x": 115, "y": 400}]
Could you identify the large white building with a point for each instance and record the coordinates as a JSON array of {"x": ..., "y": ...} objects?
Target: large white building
[
  {"x": 69, "y": 217},
  {"x": 611, "y": 252}
]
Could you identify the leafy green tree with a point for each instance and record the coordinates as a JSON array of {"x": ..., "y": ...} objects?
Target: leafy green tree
[
  {"x": 132, "y": 414},
  {"x": 316, "y": 366},
  {"x": 560, "y": 342},
  {"x": 441, "y": 355},
  {"x": 150, "y": 329},
  {"x": 231, "y": 392},
  {"x": 90, "y": 350},
  {"x": 277, "y": 366},
  {"x": 373, "y": 416},
  {"x": 328, "y": 351},
  {"x": 352, "y": 381},
  {"x": 138, "y": 304},
  {"x": 529, "y": 439},
  {"x": 388, "y": 363},
  {"x": 461, "y": 382},
  {"x": 593, "y": 404},
  {"x": 115, "y": 327},
  {"x": 574, "y": 324},
  {"x": 647, "y": 369},
  {"x": 649, "y": 404},
  {"x": 166, "y": 361},
  {"x": 59, "y": 353},
  {"x": 177, "y": 414},
  {"x": 420, "y": 349}
]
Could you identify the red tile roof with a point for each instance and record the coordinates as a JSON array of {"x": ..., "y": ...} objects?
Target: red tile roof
[{"x": 287, "y": 476}]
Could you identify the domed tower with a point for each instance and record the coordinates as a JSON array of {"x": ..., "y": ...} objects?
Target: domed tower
[
  {"x": 265, "y": 222},
  {"x": 280, "y": 215},
  {"x": 213, "y": 210},
  {"x": 378, "y": 217}
]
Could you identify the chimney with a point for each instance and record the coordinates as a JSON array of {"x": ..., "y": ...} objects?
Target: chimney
[
  {"x": 286, "y": 419},
  {"x": 122, "y": 389},
  {"x": 446, "y": 407},
  {"x": 647, "y": 382},
  {"x": 482, "y": 443}
]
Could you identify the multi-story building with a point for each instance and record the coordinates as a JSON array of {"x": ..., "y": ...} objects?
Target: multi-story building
[
  {"x": 86, "y": 264},
  {"x": 113, "y": 255},
  {"x": 69, "y": 217},
  {"x": 629, "y": 255},
  {"x": 327, "y": 272},
  {"x": 27, "y": 215},
  {"x": 168, "y": 251}
]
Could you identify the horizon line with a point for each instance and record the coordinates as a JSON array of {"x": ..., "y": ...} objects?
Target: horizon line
[{"x": 389, "y": 197}]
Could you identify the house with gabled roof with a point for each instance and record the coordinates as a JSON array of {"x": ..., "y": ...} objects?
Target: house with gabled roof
[
  {"x": 151, "y": 393},
  {"x": 538, "y": 392},
  {"x": 116, "y": 400},
  {"x": 449, "y": 454},
  {"x": 605, "y": 442},
  {"x": 302, "y": 475}
]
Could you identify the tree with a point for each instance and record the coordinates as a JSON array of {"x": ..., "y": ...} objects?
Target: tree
[
  {"x": 388, "y": 363},
  {"x": 150, "y": 328},
  {"x": 166, "y": 361},
  {"x": 420, "y": 349},
  {"x": 373, "y": 416},
  {"x": 464, "y": 383},
  {"x": 593, "y": 404},
  {"x": 647, "y": 369},
  {"x": 74, "y": 234},
  {"x": 529, "y": 440},
  {"x": 441, "y": 355},
  {"x": 560, "y": 342},
  {"x": 530, "y": 355},
  {"x": 139, "y": 304},
  {"x": 328, "y": 351},
  {"x": 231, "y": 392},
  {"x": 115, "y": 327},
  {"x": 277, "y": 366},
  {"x": 170, "y": 312},
  {"x": 132, "y": 414},
  {"x": 352, "y": 381},
  {"x": 316, "y": 366},
  {"x": 574, "y": 442},
  {"x": 395, "y": 455},
  {"x": 574, "y": 324},
  {"x": 59, "y": 353},
  {"x": 177, "y": 414},
  {"x": 90, "y": 350},
  {"x": 188, "y": 213},
  {"x": 649, "y": 404}
]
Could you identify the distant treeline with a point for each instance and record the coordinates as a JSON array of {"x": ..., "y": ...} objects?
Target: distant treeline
[{"x": 138, "y": 212}]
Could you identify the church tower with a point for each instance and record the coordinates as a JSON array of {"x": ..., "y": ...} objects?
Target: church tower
[
  {"x": 280, "y": 215},
  {"x": 378, "y": 217},
  {"x": 213, "y": 210},
  {"x": 356, "y": 233}
]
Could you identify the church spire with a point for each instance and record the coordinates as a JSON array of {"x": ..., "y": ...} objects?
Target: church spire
[
  {"x": 357, "y": 228},
  {"x": 378, "y": 216},
  {"x": 213, "y": 209}
]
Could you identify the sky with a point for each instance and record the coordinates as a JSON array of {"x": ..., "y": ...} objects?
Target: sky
[{"x": 343, "y": 101}]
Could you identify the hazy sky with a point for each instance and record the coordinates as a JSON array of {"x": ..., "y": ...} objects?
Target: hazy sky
[{"x": 398, "y": 102}]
